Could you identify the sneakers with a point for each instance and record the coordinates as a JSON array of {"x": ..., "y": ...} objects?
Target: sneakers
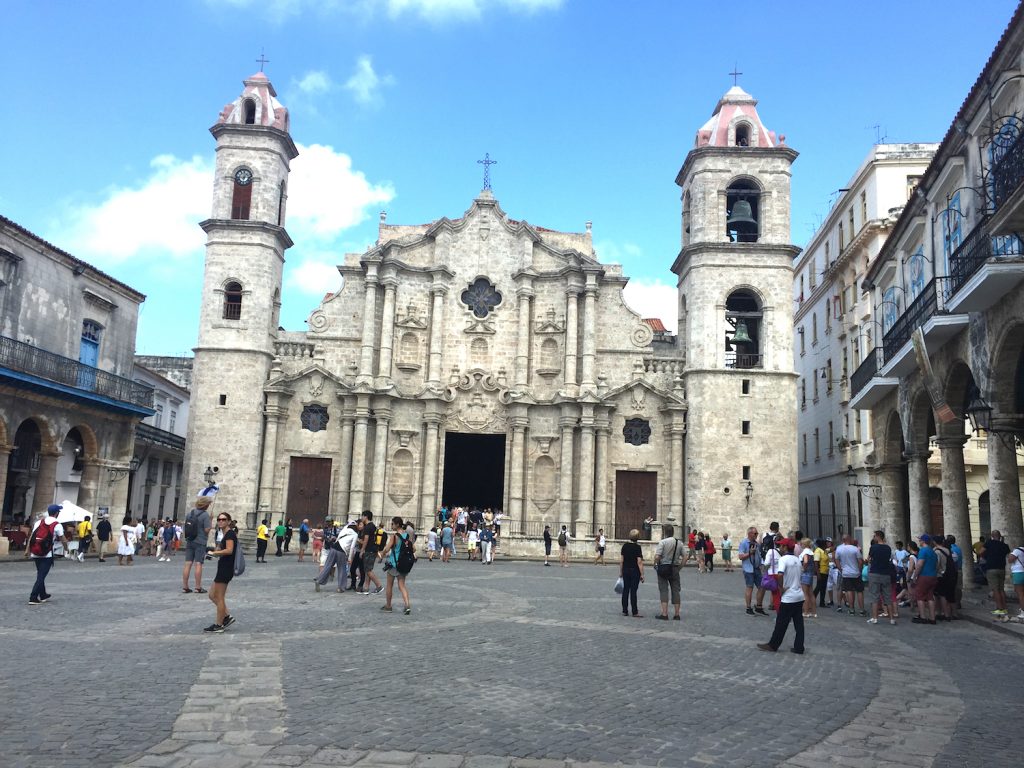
[
  {"x": 853, "y": 612},
  {"x": 228, "y": 621},
  {"x": 750, "y": 611},
  {"x": 407, "y": 610},
  {"x": 999, "y": 612},
  {"x": 214, "y": 628},
  {"x": 872, "y": 621},
  {"x": 45, "y": 598},
  {"x": 378, "y": 590},
  {"x": 766, "y": 647},
  {"x": 761, "y": 611},
  {"x": 839, "y": 609},
  {"x": 316, "y": 585},
  {"x": 35, "y": 602},
  {"x": 893, "y": 622},
  {"x": 386, "y": 608},
  {"x": 862, "y": 613},
  {"x": 547, "y": 564}
]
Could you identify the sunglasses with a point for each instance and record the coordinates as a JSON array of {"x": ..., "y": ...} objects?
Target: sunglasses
[{"x": 223, "y": 519}]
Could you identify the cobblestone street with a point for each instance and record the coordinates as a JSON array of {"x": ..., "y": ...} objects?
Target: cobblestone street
[{"x": 517, "y": 664}]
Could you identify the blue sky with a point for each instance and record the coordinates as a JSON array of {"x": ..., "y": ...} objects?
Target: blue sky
[{"x": 589, "y": 106}]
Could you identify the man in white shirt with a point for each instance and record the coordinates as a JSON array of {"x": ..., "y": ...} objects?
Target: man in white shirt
[
  {"x": 40, "y": 548},
  {"x": 601, "y": 542},
  {"x": 850, "y": 562},
  {"x": 791, "y": 606}
]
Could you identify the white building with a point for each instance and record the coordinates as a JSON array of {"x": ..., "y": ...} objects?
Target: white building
[
  {"x": 835, "y": 326},
  {"x": 156, "y": 484}
]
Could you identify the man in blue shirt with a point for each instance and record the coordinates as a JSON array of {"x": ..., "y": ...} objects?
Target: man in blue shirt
[
  {"x": 486, "y": 545},
  {"x": 926, "y": 573},
  {"x": 750, "y": 559}
]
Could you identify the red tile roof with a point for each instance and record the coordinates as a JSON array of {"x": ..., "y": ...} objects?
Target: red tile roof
[{"x": 655, "y": 324}]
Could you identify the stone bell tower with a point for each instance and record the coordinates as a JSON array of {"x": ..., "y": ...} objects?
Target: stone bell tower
[
  {"x": 246, "y": 241},
  {"x": 735, "y": 279}
]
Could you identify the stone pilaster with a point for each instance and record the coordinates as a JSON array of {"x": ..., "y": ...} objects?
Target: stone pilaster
[
  {"x": 571, "y": 332},
  {"x": 46, "y": 480},
  {"x": 268, "y": 468},
  {"x": 357, "y": 490},
  {"x": 602, "y": 431},
  {"x": 890, "y": 504},
  {"x": 369, "y": 315},
  {"x": 589, "y": 383},
  {"x": 387, "y": 332},
  {"x": 585, "y": 499},
  {"x": 920, "y": 505},
  {"x": 516, "y": 505},
  {"x": 1004, "y": 483},
  {"x": 525, "y": 296},
  {"x": 341, "y": 498},
  {"x": 954, "y": 501},
  {"x": 428, "y": 498},
  {"x": 87, "y": 487},
  {"x": 567, "y": 424},
  {"x": 437, "y": 292},
  {"x": 675, "y": 502},
  {"x": 380, "y": 455}
]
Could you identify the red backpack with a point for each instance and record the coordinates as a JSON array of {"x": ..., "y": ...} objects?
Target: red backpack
[{"x": 41, "y": 543}]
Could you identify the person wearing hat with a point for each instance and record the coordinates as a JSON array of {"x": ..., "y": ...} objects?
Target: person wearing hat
[
  {"x": 195, "y": 545},
  {"x": 40, "y": 548},
  {"x": 926, "y": 574},
  {"x": 791, "y": 602}
]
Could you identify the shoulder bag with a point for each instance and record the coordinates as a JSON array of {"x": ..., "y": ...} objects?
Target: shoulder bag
[{"x": 664, "y": 569}]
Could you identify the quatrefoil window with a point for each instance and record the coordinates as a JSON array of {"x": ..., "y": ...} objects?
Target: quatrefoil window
[
  {"x": 481, "y": 296},
  {"x": 637, "y": 431},
  {"x": 314, "y": 417}
]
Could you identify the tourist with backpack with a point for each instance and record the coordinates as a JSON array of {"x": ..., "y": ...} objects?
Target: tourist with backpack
[
  {"x": 224, "y": 551},
  {"x": 303, "y": 539},
  {"x": 564, "y": 537},
  {"x": 196, "y": 532},
  {"x": 40, "y": 549},
  {"x": 398, "y": 558}
]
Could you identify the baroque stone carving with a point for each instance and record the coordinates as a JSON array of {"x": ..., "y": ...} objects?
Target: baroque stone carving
[
  {"x": 641, "y": 335},
  {"x": 318, "y": 321}
]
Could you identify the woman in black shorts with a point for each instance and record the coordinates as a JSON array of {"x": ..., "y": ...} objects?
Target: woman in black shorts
[{"x": 227, "y": 540}]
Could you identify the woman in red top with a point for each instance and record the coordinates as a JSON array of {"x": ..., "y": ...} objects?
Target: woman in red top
[{"x": 709, "y": 554}]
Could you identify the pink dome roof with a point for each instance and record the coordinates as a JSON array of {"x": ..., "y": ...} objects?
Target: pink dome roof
[{"x": 735, "y": 108}]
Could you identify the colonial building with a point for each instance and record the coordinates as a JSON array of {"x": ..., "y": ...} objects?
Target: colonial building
[
  {"x": 156, "y": 483},
  {"x": 835, "y": 324},
  {"x": 68, "y": 409},
  {"x": 485, "y": 360},
  {"x": 951, "y": 360}
]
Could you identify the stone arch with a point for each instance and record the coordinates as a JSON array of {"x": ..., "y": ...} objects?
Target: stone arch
[
  {"x": 893, "y": 443},
  {"x": 90, "y": 443},
  {"x": 920, "y": 422},
  {"x": 957, "y": 387},
  {"x": 743, "y": 226},
  {"x": 47, "y": 435},
  {"x": 1006, "y": 377}
]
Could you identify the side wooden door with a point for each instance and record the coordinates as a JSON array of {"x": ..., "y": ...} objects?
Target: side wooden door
[
  {"x": 636, "y": 498},
  {"x": 309, "y": 490}
]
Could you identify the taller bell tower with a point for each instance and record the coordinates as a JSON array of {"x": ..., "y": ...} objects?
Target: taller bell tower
[
  {"x": 238, "y": 320},
  {"x": 735, "y": 278}
]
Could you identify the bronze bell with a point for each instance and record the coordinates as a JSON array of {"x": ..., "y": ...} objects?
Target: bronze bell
[
  {"x": 741, "y": 336},
  {"x": 742, "y": 217}
]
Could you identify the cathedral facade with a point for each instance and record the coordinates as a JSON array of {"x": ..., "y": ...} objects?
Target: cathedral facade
[{"x": 483, "y": 360}]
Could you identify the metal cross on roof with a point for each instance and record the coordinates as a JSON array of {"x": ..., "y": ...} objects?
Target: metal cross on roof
[
  {"x": 735, "y": 74},
  {"x": 262, "y": 60},
  {"x": 487, "y": 163}
]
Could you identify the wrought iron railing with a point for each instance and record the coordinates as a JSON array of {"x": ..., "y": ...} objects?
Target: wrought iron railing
[
  {"x": 26, "y": 358},
  {"x": 743, "y": 360},
  {"x": 866, "y": 371},
  {"x": 977, "y": 248},
  {"x": 151, "y": 434},
  {"x": 931, "y": 301},
  {"x": 1007, "y": 173}
]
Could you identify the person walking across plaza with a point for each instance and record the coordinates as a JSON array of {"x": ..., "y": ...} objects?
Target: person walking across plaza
[
  {"x": 447, "y": 541},
  {"x": 850, "y": 563},
  {"x": 881, "y": 574},
  {"x": 279, "y": 535},
  {"x": 224, "y": 551},
  {"x": 668, "y": 559},
  {"x": 39, "y": 548},
  {"x": 547, "y": 544},
  {"x": 126, "y": 542},
  {"x": 995, "y": 552},
  {"x": 709, "y": 554},
  {"x": 303, "y": 539},
  {"x": 398, "y": 556},
  {"x": 792, "y": 600},
  {"x": 262, "y": 539},
  {"x": 196, "y": 534},
  {"x": 486, "y": 546},
  {"x": 631, "y": 571},
  {"x": 750, "y": 563},
  {"x": 103, "y": 533},
  {"x": 563, "y": 546},
  {"x": 726, "y": 553},
  {"x": 369, "y": 548},
  {"x": 333, "y": 561},
  {"x": 84, "y": 537},
  {"x": 167, "y": 534},
  {"x": 600, "y": 542}
]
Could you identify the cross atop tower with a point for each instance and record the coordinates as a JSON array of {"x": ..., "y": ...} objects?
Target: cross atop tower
[
  {"x": 735, "y": 74},
  {"x": 487, "y": 163},
  {"x": 262, "y": 60}
]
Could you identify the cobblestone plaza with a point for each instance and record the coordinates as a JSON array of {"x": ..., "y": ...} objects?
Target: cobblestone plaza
[{"x": 516, "y": 665}]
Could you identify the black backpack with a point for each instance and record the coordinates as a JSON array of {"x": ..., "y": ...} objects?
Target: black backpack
[
  {"x": 767, "y": 543},
  {"x": 190, "y": 529},
  {"x": 406, "y": 558}
]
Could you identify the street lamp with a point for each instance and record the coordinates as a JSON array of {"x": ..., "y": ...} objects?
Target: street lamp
[
  {"x": 871, "y": 490},
  {"x": 209, "y": 475},
  {"x": 119, "y": 473},
  {"x": 979, "y": 413},
  {"x": 749, "y": 491}
]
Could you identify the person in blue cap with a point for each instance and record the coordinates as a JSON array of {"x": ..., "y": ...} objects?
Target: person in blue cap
[{"x": 40, "y": 549}]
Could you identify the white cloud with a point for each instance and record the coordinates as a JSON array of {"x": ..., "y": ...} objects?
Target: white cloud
[
  {"x": 365, "y": 83},
  {"x": 315, "y": 277},
  {"x": 432, "y": 10},
  {"x": 654, "y": 298},
  {"x": 315, "y": 82}
]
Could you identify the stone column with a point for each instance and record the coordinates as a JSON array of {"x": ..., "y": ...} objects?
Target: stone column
[
  {"x": 601, "y": 518},
  {"x": 265, "y": 502},
  {"x": 890, "y": 503},
  {"x": 369, "y": 316},
  {"x": 357, "y": 491},
  {"x": 571, "y": 331},
  {"x": 437, "y": 293},
  {"x": 341, "y": 500},
  {"x": 1004, "y": 485},
  {"x": 525, "y": 296},
  {"x": 387, "y": 331},
  {"x": 567, "y": 424},
  {"x": 518, "y": 452},
  {"x": 954, "y": 501},
  {"x": 380, "y": 456},
  {"x": 589, "y": 333},
  {"x": 585, "y": 502},
  {"x": 920, "y": 505},
  {"x": 675, "y": 502},
  {"x": 86, "y": 490},
  {"x": 428, "y": 499},
  {"x": 46, "y": 480}
]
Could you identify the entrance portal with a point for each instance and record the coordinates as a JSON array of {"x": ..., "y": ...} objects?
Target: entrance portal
[
  {"x": 474, "y": 470},
  {"x": 636, "y": 499},
  {"x": 309, "y": 490}
]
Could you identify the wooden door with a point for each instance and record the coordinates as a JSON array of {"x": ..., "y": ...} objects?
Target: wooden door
[
  {"x": 636, "y": 498},
  {"x": 309, "y": 490}
]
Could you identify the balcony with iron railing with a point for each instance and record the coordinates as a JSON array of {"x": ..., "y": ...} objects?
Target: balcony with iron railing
[
  {"x": 156, "y": 436},
  {"x": 983, "y": 268},
  {"x": 34, "y": 367},
  {"x": 866, "y": 371},
  {"x": 867, "y": 385},
  {"x": 1007, "y": 173}
]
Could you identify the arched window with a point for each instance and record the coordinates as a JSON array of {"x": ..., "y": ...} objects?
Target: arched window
[
  {"x": 280, "y": 206},
  {"x": 250, "y": 112},
  {"x": 686, "y": 218},
  {"x": 743, "y": 330},
  {"x": 232, "y": 301},
  {"x": 742, "y": 207},
  {"x": 743, "y": 135},
  {"x": 241, "y": 196}
]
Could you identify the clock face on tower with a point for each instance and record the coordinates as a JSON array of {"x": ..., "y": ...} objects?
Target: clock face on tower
[{"x": 243, "y": 177}]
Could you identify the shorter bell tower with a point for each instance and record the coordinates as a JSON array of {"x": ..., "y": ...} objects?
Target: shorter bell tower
[
  {"x": 735, "y": 280},
  {"x": 238, "y": 321}
]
